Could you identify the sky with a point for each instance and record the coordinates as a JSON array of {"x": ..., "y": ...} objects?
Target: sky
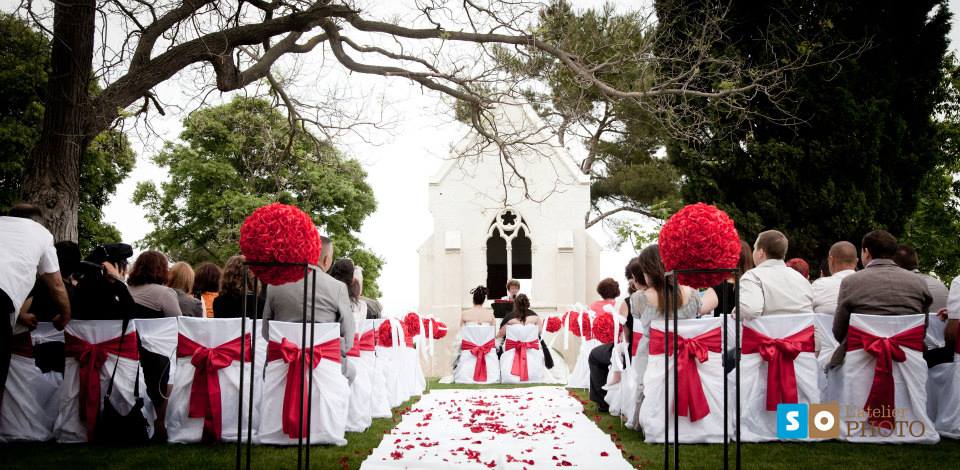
[{"x": 399, "y": 160}]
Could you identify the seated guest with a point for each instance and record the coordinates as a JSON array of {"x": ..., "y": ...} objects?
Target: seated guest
[
  {"x": 881, "y": 288},
  {"x": 599, "y": 359},
  {"x": 801, "y": 266},
  {"x": 101, "y": 293},
  {"x": 478, "y": 315},
  {"x": 647, "y": 305},
  {"x": 206, "y": 286},
  {"x": 344, "y": 271},
  {"x": 721, "y": 298},
  {"x": 147, "y": 284},
  {"x": 330, "y": 301},
  {"x": 907, "y": 258},
  {"x": 772, "y": 287},
  {"x": 521, "y": 315},
  {"x": 229, "y": 301},
  {"x": 40, "y": 306},
  {"x": 842, "y": 262},
  {"x": 952, "y": 315},
  {"x": 181, "y": 281}
]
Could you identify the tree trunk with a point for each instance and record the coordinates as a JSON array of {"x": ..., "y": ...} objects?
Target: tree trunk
[{"x": 53, "y": 172}]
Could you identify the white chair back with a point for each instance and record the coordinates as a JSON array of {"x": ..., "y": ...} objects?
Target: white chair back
[
  {"x": 382, "y": 366},
  {"x": 467, "y": 362},
  {"x": 909, "y": 380},
  {"x": 360, "y": 415},
  {"x": 935, "y": 330},
  {"x": 758, "y": 422},
  {"x": 211, "y": 333},
  {"x": 29, "y": 409},
  {"x": 330, "y": 394},
  {"x": 68, "y": 427},
  {"x": 527, "y": 334},
  {"x": 943, "y": 397},
  {"x": 708, "y": 429}
]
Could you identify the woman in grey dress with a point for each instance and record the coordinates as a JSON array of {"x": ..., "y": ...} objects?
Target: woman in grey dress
[{"x": 646, "y": 306}]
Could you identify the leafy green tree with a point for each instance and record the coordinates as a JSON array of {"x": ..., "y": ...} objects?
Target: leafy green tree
[
  {"x": 242, "y": 155},
  {"x": 24, "y": 64},
  {"x": 620, "y": 136},
  {"x": 934, "y": 226},
  {"x": 865, "y": 139}
]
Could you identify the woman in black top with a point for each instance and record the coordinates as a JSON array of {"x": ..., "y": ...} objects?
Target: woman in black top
[
  {"x": 229, "y": 303},
  {"x": 723, "y": 296}
]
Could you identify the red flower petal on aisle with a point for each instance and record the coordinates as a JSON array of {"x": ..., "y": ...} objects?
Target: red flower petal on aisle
[
  {"x": 397, "y": 455},
  {"x": 279, "y": 233},
  {"x": 604, "y": 454},
  {"x": 699, "y": 236}
]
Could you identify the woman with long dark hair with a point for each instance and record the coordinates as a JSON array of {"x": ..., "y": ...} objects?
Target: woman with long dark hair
[
  {"x": 521, "y": 315},
  {"x": 344, "y": 271},
  {"x": 478, "y": 315}
]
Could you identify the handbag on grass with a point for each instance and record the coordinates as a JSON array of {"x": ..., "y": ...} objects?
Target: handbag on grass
[{"x": 114, "y": 427}]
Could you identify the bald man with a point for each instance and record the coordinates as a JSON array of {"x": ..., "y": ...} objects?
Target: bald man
[{"x": 842, "y": 261}]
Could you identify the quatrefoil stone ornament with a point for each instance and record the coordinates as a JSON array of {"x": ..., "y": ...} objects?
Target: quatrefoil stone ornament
[{"x": 509, "y": 218}]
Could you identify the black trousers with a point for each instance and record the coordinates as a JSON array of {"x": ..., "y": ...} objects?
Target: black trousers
[
  {"x": 599, "y": 362},
  {"x": 6, "y": 340}
]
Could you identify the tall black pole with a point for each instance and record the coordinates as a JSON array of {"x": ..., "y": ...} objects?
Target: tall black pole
[
  {"x": 303, "y": 346},
  {"x": 737, "y": 365},
  {"x": 676, "y": 372},
  {"x": 726, "y": 346},
  {"x": 313, "y": 305},
  {"x": 253, "y": 359},
  {"x": 243, "y": 332},
  {"x": 666, "y": 384}
]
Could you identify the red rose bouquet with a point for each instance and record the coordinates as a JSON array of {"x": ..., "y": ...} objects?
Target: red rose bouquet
[
  {"x": 603, "y": 328},
  {"x": 384, "y": 335},
  {"x": 554, "y": 324},
  {"x": 279, "y": 233},
  {"x": 700, "y": 236}
]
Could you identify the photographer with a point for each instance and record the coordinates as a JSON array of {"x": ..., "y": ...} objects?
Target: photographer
[{"x": 101, "y": 293}]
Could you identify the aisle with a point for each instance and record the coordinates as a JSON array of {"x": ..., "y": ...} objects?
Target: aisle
[{"x": 520, "y": 428}]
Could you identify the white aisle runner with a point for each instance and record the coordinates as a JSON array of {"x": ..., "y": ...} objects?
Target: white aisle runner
[{"x": 519, "y": 428}]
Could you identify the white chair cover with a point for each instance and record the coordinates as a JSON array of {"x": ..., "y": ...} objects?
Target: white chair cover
[
  {"x": 211, "y": 333},
  {"x": 26, "y": 413},
  {"x": 757, "y": 423},
  {"x": 560, "y": 373},
  {"x": 159, "y": 335},
  {"x": 935, "y": 329},
  {"x": 467, "y": 362},
  {"x": 709, "y": 429},
  {"x": 69, "y": 427},
  {"x": 360, "y": 415},
  {"x": 910, "y": 382},
  {"x": 943, "y": 398},
  {"x": 580, "y": 377},
  {"x": 619, "y": 395},
  {"x": 393, "y": 363},
  {"x": 382, "y": 365},
  {"x": 535, "y": 365},
  {"x": 412, "y": 380},
  {"x": 827, "y": 344},
  {"x": 330, "y": 394}
]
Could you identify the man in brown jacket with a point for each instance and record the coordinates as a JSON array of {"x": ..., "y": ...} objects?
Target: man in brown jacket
[{"x": 881, "y": 288}]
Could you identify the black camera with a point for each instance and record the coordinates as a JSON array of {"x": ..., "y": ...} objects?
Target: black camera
[{"x": 92, "y": 265}]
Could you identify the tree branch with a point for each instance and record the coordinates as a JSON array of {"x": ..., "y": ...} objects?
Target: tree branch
[{"x": 604, "y": 215}]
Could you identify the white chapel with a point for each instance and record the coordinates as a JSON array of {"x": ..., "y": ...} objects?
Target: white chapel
[{"x": 486, "y": 230}]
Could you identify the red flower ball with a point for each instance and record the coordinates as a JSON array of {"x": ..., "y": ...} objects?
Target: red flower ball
[
  {"x": 579, "y": 324},
  {"x": 554, "y": 324},
  {"x": 411, "y": 325},
  {"x": 700, "y": 236},
  {"x": 439, "y": 329},
  {"x": 278, "y": 233},
  {"x": 384, "y": 335},
  {"x": 603, "y": 328}
]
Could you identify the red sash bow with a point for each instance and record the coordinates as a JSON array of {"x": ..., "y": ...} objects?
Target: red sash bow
[
  {"x": 205, "y": 390},
  {"x": 91, "y": 357},
  {"x": 779, "y": 354},
  {"x": 885, "y": 350},
  {"x": 364, "y": 342},
  {"x": 519, "y": 367},
  {"x": 637, "y": 336},
  {"x": 480, "y": 352},
  {"x": 22, "y": 345},
  {"x": 691, "y": 400},
  {"x": 288, "y": 352}
]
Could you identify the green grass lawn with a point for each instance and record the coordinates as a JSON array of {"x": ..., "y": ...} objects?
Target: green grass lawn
[{"x": 775, "y": 456}]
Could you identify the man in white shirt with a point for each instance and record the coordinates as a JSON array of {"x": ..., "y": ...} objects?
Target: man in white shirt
[
  {"x": 772, "y": 287},
  {"x": 26, "y": 251},
  {"x": 842, "y": 261}
]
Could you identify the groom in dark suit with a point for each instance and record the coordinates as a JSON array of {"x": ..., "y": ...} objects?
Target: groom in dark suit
[{"x": 881, "y": 288}]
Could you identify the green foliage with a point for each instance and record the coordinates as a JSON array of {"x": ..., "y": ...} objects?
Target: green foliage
[
  {"x": 237, "y": 157},
  {"x": 622, "y": 138},
  {"x": 24, "y": 64},
  {"x": 933, "y": 228},
  {"x": 867, "y": 141}
]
